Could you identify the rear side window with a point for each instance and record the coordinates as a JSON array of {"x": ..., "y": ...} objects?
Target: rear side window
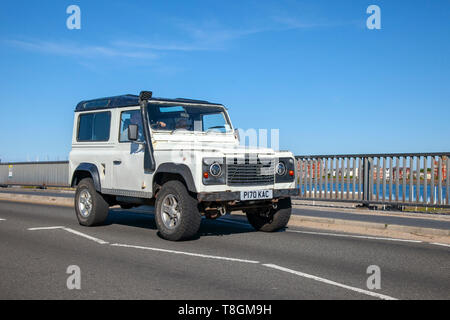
[{"x": 94, "y": 126}]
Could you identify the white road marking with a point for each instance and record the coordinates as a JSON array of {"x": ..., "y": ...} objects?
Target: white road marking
[
  {"x": 100, "y": 241},
  {"x": 441, "y": 244},
  {"x": 183, "y": 253},
  {"x": 45, "y": 228},
  {"x": 273, "y": 266},
  {"x": 354, "y": 236},
  {"x": 78, "y": 233},
  {"x": 2, "y": 219},
  {"x": 337, "y": 284}
]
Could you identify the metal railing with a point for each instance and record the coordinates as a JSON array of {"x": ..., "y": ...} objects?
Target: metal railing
[
  {"x": 47, "y": 174},
  {"x": 404, "y": 179},
  {"x": 416, "y": 179}
]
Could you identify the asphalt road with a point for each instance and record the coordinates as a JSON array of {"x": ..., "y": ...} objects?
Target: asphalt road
[
  {"x": 125, "y": 259},
  {"x": 323, "y": 213}
]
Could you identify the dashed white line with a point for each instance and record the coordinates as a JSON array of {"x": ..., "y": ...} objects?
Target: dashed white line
[
  {"x": 100, "y": 241},
  {"x": 273, "y": 266},
  {"x": 184, "y": 253},
  {"x": 330, "y": 282},
  {"x": 78, "y": 233},
  {"x": 45, "y": 228},
  {"x": 2, "y": 219},
  {"x": 354, "y": 236},
  {"x": 268, "y": 265}
]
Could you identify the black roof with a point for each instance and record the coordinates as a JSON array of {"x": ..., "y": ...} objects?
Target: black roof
[{"x": 127, "y": 100}]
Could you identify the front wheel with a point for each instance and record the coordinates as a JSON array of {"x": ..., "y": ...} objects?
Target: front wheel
[
  {"x": 273, "y": 220},
  {"x": 90, "y": 206},
  {"x": 176, "y": 212}
]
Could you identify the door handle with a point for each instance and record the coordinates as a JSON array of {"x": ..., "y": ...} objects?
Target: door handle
[{"x": 117, "y": 162}]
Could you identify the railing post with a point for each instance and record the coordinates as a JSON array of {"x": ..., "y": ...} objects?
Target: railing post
[
  {"x": 411, "y": 178},
  {"x": 383, "y": 193},
  {"x": 439, "y": 195},
  {"x": 391, "y": 177},
  {"x": 432, "y": 181},
  {"x": 326, "y": 178},
  {"x": 418, "y": 179},
  {"x": 425, "y": 179},
  {"x": 366, "y": 181},
  {"x": 447, "y": 175}
]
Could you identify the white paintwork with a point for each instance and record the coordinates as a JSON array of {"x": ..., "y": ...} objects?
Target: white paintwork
[{"x": 180, "y": 147}]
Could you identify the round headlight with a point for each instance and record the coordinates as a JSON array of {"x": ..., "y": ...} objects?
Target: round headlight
[
  {"x": 215, "y": 169},
  {"x": 281, "y": 169}
]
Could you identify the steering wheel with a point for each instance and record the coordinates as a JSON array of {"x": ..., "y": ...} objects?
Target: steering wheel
[{"x": 213, "y": 129}]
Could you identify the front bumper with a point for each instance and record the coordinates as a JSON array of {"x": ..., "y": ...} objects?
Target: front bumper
[{"x": 236, "y": 195}]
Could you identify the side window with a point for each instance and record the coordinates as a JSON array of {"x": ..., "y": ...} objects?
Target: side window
[
  {"x": 215, "y": 122},
  {"x": 127, "y": 118},
  {"x": 94, "y": 126}
]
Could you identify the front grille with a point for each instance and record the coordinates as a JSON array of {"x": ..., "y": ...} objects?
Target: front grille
[{"x": 249, "y": 173}]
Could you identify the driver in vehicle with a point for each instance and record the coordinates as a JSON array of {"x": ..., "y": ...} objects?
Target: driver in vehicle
[
  {"x": 182, "y": 124},
  {"x": 158, "y": 125}
]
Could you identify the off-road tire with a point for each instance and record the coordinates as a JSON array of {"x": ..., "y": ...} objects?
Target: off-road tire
[
  {"x": 99, "y": 207},
  {"x": 276, "y": 219},
  {"x": 188, "y": 224}
]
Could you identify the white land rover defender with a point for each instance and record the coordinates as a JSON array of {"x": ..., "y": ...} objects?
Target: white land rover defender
[{"x": 180, "y": 155}]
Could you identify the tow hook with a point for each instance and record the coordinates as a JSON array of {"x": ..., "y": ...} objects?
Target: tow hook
[
  {"x": 222, "y": 211},
  {"x": 215, "y": 212}
]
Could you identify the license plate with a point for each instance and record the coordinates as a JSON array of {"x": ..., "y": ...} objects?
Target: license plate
[{"x": 256, "y": 194}]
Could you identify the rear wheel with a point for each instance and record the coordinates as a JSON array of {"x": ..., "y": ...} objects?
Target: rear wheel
[
  {"x": 176, "y": 213},
  {"x": 272, "y": 220},
  {"x": 90, "y": 206}
]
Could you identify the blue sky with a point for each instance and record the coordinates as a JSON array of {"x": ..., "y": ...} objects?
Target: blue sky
[{"x": 309, "y": 68}]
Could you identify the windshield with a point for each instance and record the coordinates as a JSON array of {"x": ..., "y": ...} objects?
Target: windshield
[{"x": 188, "y": 118}]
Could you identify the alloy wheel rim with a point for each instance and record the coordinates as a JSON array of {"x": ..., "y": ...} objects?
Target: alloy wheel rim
[
  {"x": 170, "y": 211},
  {"x": 85, "y": 203}
]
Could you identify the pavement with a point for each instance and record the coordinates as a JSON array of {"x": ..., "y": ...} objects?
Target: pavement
[
  {"x": 430, "y": 221},
  {"x": 39, "y": 192},
  {"x": 126, "y": 259}
]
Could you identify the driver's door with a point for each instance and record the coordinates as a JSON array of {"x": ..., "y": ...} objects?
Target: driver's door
[{"x": 128, "y": 163}]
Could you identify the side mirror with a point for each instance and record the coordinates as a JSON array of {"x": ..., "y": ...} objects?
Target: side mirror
[{"x": 133, "y": 132}]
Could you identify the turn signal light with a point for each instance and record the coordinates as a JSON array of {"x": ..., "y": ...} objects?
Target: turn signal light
[{"x": 205, "y": 175}]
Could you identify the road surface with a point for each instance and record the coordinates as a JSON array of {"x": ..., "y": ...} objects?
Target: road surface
[
  {"x": 333, "y": 213},
  {"x": 126, "y": 259}
]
